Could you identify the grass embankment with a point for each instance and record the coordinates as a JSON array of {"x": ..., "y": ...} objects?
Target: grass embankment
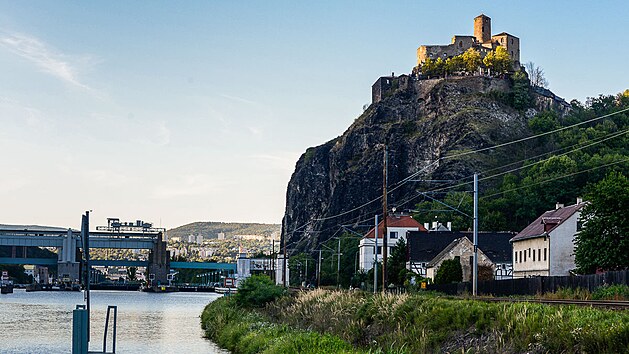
[
  {"x": 354, "y": 322},
  {"x": 246, "y": 331}
]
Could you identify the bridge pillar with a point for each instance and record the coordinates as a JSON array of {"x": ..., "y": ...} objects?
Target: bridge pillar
[
  {"x": 159, "y": 263},
  {"x": 67, "y": 266}
]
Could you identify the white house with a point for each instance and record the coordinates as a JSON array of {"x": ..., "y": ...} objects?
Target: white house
[
  {"x": 546, "y": 246},
  {"x": 397, "y": 227}
]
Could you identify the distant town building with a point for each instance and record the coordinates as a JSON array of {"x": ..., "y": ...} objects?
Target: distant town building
[
  {"x": 192, "y": 238},
  {"x": 221, "y": 235},
  {"x": 546, "y": 246},
  {"x": 251, "y": 237},
  {"x": 199, "y": 239},
  {"x": 39, "y": 273}
]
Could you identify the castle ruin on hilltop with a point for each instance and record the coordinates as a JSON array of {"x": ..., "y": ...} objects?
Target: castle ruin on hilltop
[{"x": 482, "y": 41}]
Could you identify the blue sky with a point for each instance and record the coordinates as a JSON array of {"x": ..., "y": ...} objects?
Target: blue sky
[{"x": 175, "y": 112}]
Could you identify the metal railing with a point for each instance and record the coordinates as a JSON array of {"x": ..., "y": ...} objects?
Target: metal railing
[{"x": 109, "y": 308}]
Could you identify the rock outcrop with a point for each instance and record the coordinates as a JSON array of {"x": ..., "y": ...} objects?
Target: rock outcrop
[{"x": 424, "y": 123}]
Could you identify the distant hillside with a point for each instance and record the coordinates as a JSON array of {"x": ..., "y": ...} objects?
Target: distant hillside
[{"x": 210, "y": 229}]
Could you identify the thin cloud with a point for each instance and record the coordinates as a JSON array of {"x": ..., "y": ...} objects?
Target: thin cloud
[
  {"x": 239, "y": 99},
  {"x": 45, "y": 57}
]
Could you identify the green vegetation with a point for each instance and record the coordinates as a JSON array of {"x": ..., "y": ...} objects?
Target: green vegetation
[
  {"x": 557, "y": 167},
  {"x": 337, "y": 321},
  {"x": 603, "y": 242},
  {"x": 497, "y": 61},
  {"x": 257, "y": 291},
  {"x": 450, "y": 271},
  {"x": 608, "y": 292}
]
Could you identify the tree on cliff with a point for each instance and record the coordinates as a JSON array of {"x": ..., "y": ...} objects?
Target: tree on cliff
[
  {"x": 471, "y": 60},
  {"x": 536, "y": 75},
  {"x": 498, "y": 61},
  {"x": 603, "y": 243}
]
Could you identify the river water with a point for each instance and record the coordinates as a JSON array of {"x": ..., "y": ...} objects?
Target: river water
[{"x": 41, "y": 322}]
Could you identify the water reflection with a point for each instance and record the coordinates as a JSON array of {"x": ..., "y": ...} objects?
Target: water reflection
[{"x": 41, "y": 322}]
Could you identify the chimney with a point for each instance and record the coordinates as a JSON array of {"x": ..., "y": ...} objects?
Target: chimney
[
  {"x": 558, "y": 206},
  {"x": 449, "y": 225},
  {"x": 434, "y": 225},
  {"x": 579, "y": 200},
  {"x": 427, "y": 225}
]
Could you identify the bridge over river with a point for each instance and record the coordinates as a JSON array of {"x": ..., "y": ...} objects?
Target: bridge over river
[{"x": 115, "y": 235}]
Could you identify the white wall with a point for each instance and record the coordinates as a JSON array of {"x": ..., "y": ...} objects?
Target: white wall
[
  {"x": 366, "y": 246},
  {"x": 530, "y": 267},
  {"x": 562, "y": 246}
]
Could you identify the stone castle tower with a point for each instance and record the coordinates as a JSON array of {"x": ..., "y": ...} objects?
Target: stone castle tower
[{"x": 482, "y": 28}]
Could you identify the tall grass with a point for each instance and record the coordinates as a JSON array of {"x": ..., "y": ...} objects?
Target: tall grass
[{"x": 420, "y": 323}]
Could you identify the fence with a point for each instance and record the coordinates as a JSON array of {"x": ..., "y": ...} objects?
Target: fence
[{"x": 536, "y": 285}]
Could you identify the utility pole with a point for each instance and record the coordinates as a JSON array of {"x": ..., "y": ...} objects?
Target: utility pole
[
  {"x": 475, "y": 271},
  {"x": 385, "y": 235},
  {"x": 319, "y": 271},
  {"x": 375, "y": 260},
  {"x": 284, "y": 262},
  {"x": 338, "y": 265}
]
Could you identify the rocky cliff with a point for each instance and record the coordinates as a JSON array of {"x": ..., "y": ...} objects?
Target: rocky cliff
[{"x": 425, "y": 123}]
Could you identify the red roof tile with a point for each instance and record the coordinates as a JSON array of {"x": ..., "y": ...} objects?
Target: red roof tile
[
  {"x": 553, "y": 218},
  {"x": 396, "y": 221}
]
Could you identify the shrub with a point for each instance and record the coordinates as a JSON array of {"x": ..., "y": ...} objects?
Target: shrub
[
  {"x": 611, "y": 292},
  {"x": 257, "y": 291},
  {"x": 449, "y": 272}
]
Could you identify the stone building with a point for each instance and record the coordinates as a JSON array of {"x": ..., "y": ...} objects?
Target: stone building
[
  {"x": 427, "y": 250},
  {"x": 482, "y": 41}
]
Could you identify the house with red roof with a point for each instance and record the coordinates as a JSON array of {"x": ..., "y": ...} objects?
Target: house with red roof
[
  {"x": 397, "y": 227},
  {"x": 546, "y": 246}
]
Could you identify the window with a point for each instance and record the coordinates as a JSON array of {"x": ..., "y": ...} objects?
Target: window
[
  {"x": 529, "y": 253},
  {"x": 539, "y": 254},
  {"x": 544, "y": 253},
  {"x": 379, "y": 249},
  {"x": 460, "y": 44},
  {"x": 533, "y": 255},
  {"x": 511, "y": 40},
  {"x": 521, "y": 259},
  {"x": 393, "y": 235},
  {"x": 515, "y": 256},
  {"x": 525, "y": 255}
]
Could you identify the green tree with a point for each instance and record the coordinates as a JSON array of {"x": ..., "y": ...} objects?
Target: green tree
[
  {"x": 498, "y": 61},
  {"x": 603, "y": 243},
  {"x": 396, "y": 264},
  {"x": 257, "y": 291},
  {"x": 521, "y": 90},
  {"x": 429, "y": 68},
  {"x": 471, "y": 60},
  {"x": 450, "y": 271},
  {"x": 454, "y": 64}
]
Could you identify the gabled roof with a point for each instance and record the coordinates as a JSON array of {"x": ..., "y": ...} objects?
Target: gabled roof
[
  {"x": 554, "y": 217},
  {"x": 395, "y": 221},
  {"x": 448, "y": 248},
  {"x": 504, "y": 34},
  {"x": 425, "y": 246}
]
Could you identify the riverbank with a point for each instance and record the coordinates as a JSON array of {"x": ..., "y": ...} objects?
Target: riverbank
[{"x": 356, "y": 322}]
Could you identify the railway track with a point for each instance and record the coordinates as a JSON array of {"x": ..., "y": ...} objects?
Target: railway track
[{"x": 610, "y": 304}]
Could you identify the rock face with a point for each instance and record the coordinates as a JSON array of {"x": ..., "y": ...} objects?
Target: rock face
[{"x": 425, "y": 123}]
